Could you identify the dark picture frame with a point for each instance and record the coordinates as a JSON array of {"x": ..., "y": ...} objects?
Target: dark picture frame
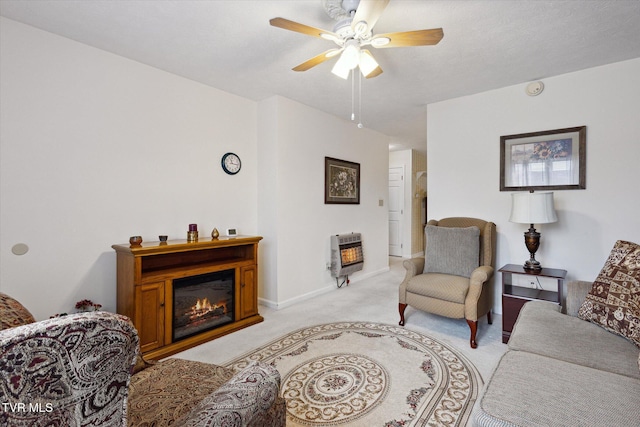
[
  {"x": 341, "y": 182},
  {"x": 548, "y": 160}
]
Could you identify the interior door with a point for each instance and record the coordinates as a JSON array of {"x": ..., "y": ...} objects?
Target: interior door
[{"x": 396, "y": 209}]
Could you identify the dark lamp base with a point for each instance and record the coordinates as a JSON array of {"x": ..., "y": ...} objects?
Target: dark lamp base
[
  {"x": 532, "y": 241},
  {"x": 532, "y": 264}
]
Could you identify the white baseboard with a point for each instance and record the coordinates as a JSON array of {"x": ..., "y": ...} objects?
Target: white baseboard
[{"x": 325, "y": 289}]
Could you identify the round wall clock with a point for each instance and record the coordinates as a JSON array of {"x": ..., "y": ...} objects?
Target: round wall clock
[{"x": 231, "y": 163}]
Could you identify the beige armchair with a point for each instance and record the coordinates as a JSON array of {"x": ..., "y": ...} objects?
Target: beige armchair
[{"x": 453, "y": 279}]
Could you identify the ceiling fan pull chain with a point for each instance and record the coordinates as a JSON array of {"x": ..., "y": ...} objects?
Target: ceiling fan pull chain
[
  {"x": 359, "y": 100},
  {"x": 353, "y": 86}
]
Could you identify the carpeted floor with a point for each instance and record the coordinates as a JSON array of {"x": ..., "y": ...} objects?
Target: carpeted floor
[
  {"x": 363, "y": 374},
  {"x": 374, "y": 299}
]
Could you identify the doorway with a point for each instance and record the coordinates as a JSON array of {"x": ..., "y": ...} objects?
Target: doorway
[{"x": 396, "y": 210}]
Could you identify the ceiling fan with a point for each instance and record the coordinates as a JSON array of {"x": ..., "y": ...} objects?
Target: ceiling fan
[{"x": 356, "y": 19}]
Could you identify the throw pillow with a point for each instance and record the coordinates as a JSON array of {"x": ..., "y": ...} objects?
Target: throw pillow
[
  {"x": 614, "y": 299},
  {"x": 12, "y": 313},
  {"x": 452, "y": 250}
]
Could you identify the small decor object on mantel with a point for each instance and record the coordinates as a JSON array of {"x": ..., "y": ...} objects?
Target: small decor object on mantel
[
  {"x": 192, "y": 234},
  {"x": 215, "y": 233},
  {"x": 135, "y": 240}
]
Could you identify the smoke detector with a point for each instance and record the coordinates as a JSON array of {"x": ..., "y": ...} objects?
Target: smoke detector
[{"x": 534, "y": 88}]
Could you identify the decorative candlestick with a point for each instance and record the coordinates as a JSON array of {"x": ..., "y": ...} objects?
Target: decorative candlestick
[{"x": 192, "y": 234}]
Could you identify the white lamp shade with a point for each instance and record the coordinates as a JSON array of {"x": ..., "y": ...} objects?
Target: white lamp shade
[
  {"x": 367, "y": 63},
  {"x": 532, "y": 208},
  {"x": 341, "y": 69}
]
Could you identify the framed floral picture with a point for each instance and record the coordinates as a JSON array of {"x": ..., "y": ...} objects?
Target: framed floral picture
[
  {"x": 547, "y": 160},
  {"x": 341, "y": 182}
]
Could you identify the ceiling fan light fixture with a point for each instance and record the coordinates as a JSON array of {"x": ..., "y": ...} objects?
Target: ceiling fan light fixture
[
  {"x": 351, "y": 54},
  {"x": 367, "y": 63},
  {"x": 341, "y": 68}
]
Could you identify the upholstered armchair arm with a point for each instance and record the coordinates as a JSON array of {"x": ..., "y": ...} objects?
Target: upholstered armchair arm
[
  {"x": 577, "y": 291},
  {"x": 72, "y": 370},
  {"x": 479, "y": 277},
  {"x": 246, "y": 400},
  {"x": 414, "y": 266}
]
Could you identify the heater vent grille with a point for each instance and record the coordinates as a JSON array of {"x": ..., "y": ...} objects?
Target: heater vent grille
[{"x": 346, "y": 254}]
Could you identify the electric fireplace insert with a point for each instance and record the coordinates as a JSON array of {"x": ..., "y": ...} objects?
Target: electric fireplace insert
[{"x": 203, "y": 302}]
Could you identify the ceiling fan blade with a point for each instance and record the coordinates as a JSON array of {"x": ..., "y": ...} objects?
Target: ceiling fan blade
[
  {"x": 304, "y": 29},
  {"x": 319, "y": 59},
  {"x": 368, "y": 11},
  {"x": 409, "y": 38}
]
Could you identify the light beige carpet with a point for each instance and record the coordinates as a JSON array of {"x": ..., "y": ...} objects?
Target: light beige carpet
[{"x": 369, "y": 374}]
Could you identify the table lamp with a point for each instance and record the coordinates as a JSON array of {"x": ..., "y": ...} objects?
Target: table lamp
[{"x": 532, "y": 208}]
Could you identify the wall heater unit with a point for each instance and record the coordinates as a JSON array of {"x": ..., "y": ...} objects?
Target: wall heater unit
[{"x": 346, "y": 255}]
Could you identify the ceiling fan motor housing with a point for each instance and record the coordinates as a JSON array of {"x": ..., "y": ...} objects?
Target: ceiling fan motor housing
[{"x": 340, "y": 9}]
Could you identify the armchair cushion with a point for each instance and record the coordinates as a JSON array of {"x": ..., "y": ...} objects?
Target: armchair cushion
[
  {"x": 247, "y": 400},
  {"x": 165, "y": 391},
  {"x": 444, "y": 287},
  {"x": 452, "y": 250},
  {"x": 614, "y": 299}
]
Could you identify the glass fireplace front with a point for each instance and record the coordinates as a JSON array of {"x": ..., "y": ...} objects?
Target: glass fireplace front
[{"x": 203, "y": 302}]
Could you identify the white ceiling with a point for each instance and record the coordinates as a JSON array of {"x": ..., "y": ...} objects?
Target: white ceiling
[{"x": 231, "y": 46}]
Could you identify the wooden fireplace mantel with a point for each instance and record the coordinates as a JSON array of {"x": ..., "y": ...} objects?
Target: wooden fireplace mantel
[{"x": 145, "y": 275}]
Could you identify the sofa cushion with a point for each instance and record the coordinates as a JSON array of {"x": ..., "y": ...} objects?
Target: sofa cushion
[
  {"x": 531, "y": 390},
  {"x": 162, "y": 393},
  {"x": 12, "y": 313},
  {"x": 543, "y": 330},
  {"x": 614, "y": 299},
  {"x": 452, "y": 250}
]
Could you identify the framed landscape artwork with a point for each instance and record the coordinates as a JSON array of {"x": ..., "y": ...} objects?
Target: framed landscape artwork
[
  {"x": 547, "y": 160},
  {"x": 341, "y": 182}
]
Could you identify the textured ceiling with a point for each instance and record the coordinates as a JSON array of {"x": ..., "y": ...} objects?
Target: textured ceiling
[{"x": 231, "y": 46}]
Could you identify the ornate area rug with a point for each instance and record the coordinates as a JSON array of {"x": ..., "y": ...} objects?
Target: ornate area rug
[{"x": 369, "y": 374}]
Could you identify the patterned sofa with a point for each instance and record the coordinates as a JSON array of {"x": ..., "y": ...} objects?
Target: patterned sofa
[{"x": 84, "y": 369}]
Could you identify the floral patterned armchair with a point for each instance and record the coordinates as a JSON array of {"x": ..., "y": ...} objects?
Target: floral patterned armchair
[
  {"x": 76, "y": 370},
  {"x": 67, "y": 371}
]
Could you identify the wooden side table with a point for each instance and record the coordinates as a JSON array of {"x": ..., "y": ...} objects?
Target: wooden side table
[{"x": 514, "y": 296}]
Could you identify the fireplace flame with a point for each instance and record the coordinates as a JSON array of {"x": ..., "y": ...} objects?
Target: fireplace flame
[{"x": 203, "y": 307}]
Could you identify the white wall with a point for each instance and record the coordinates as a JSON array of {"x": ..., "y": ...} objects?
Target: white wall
[
  {"x": 463, "y": 164},
  {"x": 291, "y": 207},
  {"x": 95, "y": 148}
]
